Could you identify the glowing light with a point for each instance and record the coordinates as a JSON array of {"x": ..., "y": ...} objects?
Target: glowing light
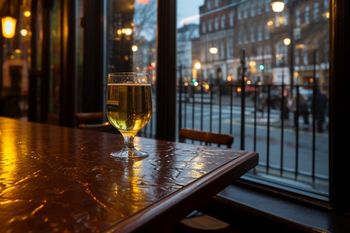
[
  {"x": 213, "y": 50},
  {"x": 326, "y": 15},
  {"x": 206, "y": 86},
  {"x": 127, "y": 31},
  {"x": 134, "y": 48},
  {"x": 197, "y": 65},
  {"x": 286, "y": 41},
  {"x": 252, "y": 63},
  {"x": 277, "y": 5},
  {"x": 24, "y": 32},
  {"x": 27, "y": 14},
  {"x": 269, "y": 23},
  {"x": 143, "y": 2},
  {"x": 8, "y": 26}
]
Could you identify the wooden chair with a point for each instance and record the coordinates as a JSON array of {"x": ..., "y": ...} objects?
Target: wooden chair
[
  {"x": 206, "y": 137},
  {"x": 93, "y": 121},
  {"x": 196, "y": 221}
]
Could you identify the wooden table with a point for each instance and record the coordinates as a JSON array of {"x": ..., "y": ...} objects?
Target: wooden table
[{"x": 56, "y": 179}]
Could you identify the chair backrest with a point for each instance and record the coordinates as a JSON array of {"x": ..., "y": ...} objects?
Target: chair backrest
[
  {"x": 206, "y": 137},
  {"x": 93, "y": 121}
]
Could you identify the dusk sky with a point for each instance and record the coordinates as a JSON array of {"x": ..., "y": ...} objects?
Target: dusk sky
[{"x": 188, "y": 11}]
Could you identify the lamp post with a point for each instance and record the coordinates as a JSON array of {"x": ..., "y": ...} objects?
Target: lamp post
[
  {"x": 279, "y": 6},
  {"x": 197, "y": 66},
  {"x": 8, "y": 23}
]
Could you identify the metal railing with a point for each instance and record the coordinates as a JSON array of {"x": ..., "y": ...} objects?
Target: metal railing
[{"x": 289, "y": 128}]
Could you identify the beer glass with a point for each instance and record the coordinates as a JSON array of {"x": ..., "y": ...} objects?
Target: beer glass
[{"x": 129, "y": 108}]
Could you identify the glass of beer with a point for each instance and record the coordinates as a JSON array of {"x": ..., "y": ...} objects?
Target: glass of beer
[{"x": 129, "y": 108}]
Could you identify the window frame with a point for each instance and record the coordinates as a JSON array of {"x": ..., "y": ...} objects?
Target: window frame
[{"x": 339, "y": 50}]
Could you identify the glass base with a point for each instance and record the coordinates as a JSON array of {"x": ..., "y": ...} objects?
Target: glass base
[{"x": 129, "y": 153}]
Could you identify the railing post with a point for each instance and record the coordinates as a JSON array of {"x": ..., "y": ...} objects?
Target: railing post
[
  {"x": 180, "y": 97},
  {"x": 243, "y": 66}
]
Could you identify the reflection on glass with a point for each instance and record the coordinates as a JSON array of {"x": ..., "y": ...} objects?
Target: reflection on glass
[{"x": 131, "y": 41}]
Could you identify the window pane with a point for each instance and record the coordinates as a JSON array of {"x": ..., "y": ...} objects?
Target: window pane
[
  {"x": 15, "y": 60},
  {"x": 273, "y": 68},
  {"x": 131, "y": 42}
]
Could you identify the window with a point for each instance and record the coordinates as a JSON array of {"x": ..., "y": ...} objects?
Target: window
[
  {"x": 231, "y": 19},
  {"x": 297, "y": 17},
  {"x": 287, "y": 160},
  {"x": 307, "y": 14},
  {"x": 267, "y": 33},
  {"x": 306, "y": 57},
  {"x": 133, "y": 34},
  {"x": 252, "y": 34},
  {"x": 216, "y": 23},
  {"x": 203, "y": 27},
  {"x": 223, "y": 22},
  {"x": 316, "y": 10},
  {"x": 260, "y": 32}
]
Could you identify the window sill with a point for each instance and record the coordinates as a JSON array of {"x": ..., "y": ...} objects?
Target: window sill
[{"x": 252, "y": 207}]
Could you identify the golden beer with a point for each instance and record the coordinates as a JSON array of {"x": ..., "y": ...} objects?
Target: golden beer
[{"x": 129, "y": 106}]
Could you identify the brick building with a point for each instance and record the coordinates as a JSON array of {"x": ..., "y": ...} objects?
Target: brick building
[{"x": 277, "y": 45}]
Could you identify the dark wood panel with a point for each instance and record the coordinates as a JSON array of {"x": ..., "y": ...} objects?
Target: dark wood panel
[{"x": 166, "y": 71}]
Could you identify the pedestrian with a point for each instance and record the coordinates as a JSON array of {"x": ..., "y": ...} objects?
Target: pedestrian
[
  {"x": 320, "y": 108},
  {"x": 300, "y": 108}
]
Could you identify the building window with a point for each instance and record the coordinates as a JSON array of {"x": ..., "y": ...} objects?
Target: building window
[
  {"x": 203, "y": 27},
  {"x": 267, "y": 33},
  {"x": 252, "y": 34},
  {"x": 297, "y": 57},
  {"x": 216, "y": 3},
  {"x": 223, "y": 20},
  {"x": 222, "y": 50},
  {"x": 259, "y": 7},
  {"x": 297, "y": 17},
  {"x": 326, "y": 4},
  {"x": 245, "y": 11},
  {"x": 252, "y": 9},
  {"x": 216, "y": 23},
  {"x": 285, "y": 18},
  {"x": 209, "y": 5},
  {"x": 229, "y": 47},
  {"x": 231, "y": 19},
  {"x": 316, "y": 10},
  {"x": 307, "y": 14},
  {"x": 260, "y": 32},
  {"x": 305, "y": 57},
  {"x": 267, "y": 6},
  {"x": 209, "y": 25}
]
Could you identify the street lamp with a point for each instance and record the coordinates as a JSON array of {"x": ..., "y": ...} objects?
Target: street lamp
[
  {"x": 8, "y": 24},
  {"x": 277, "y": 5},
  {"x": 197, "y": 65}
]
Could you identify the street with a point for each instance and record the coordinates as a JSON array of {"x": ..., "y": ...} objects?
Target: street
[{"x": 294, "y": 167}]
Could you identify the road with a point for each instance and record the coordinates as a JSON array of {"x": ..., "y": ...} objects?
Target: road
[{"x": 292, "y": 158}]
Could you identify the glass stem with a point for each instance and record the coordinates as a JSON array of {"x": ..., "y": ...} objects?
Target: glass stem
[{"x": 129, "y": 141}]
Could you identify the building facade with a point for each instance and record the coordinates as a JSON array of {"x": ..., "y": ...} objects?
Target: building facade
[
  {"x": 279, "y": 47},
  {"x": 185, "y": 35}
]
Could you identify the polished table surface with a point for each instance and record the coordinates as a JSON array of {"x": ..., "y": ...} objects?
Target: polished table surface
[{"x": 57, "y": 179}]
